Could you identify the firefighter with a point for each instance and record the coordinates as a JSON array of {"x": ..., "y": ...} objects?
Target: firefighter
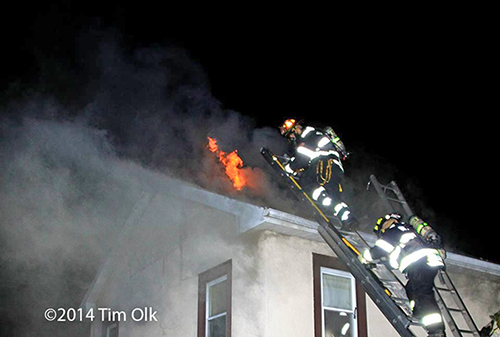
[
  {"x": 493, "y": 327},
  {"x": 316, "y": 159},
  {"x": 416, "y": 250}
]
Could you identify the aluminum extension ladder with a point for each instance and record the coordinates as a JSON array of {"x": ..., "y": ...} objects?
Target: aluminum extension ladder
[
  {"x": 344, "y": 246},
  {"x": 449, "y": 301}
]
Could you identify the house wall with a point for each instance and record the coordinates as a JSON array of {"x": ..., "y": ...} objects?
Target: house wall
[
  {"x": 479, "y": 291},
  {"x": 174, "y": 240},
  {"x": 159, "y": 262},
  {"x": 288, "y": 269},
  {"x": 289, "y": 278}
]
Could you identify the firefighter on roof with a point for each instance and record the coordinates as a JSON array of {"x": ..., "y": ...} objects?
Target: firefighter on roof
[
  {"x": 317, "y": 161},
  {"x": 416, "y": 250}
]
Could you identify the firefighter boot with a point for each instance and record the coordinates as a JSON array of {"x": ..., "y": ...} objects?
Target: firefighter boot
[
  {"x": 342, "y": 212},
  {"x": 350, "y": 223}
]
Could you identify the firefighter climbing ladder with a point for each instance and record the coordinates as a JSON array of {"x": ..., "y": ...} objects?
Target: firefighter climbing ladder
[
  {"x": 379, "y": 282},
  {"x": 347, "y": 252},
  {"x": 453, "y": 308}
]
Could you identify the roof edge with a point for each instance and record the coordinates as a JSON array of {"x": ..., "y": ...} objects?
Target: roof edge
[{"x": 295, "y": 225}]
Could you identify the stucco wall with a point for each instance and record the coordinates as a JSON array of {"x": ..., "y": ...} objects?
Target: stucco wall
[
  {"x": 289, "y": 277},
  {"x": 162, "y": 253},
  {"x": 288, "y": 285},
  {"x": 158, "y": 266},
  {"x": 288, "y": 269},
  {"x": 479, "y": 291}
]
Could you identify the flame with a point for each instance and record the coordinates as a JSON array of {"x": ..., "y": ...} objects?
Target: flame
[
  {"x": 289, "y": 123},
  {"x": 232, "y": 164},
  {"x": 212, "y": 144}
]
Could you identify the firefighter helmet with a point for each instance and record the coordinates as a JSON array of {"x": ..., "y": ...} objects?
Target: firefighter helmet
[
  {"x": 289, "y": 127},
  {"x": 384, "y": 222}
]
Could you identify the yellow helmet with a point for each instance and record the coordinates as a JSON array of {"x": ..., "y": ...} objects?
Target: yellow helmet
[{"x": 384, "y": 222}]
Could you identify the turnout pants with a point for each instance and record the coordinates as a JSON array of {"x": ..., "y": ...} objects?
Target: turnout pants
[
  {"x": 322, "y": 182},
  {"x": 419, "y": 289}
]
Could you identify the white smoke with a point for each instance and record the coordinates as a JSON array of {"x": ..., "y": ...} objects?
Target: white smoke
[{"x": 63, "y": 193}]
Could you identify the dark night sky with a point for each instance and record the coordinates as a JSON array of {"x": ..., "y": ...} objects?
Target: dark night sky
[{"x": 415, "y": 95}]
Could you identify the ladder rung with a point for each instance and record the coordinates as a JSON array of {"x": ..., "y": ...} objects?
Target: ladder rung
[
  {"x": 445, "y": 289},
  {"x": 389, "y": 281},
  {"x": 396, "y": 200},
  {"x": 399, "y": 299},
  {"x": 415, "y": 321}
]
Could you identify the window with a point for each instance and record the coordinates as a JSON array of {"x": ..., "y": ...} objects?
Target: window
[
  {"x": 214, "y": 302},
  {"x": 216, "y": 308},
  {"x": 339, "y": 303}
]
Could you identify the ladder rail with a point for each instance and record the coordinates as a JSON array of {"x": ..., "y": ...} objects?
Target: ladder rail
[
  {"x": 381, "y": 268},
  {"x": 443, "y": 275},
  {"x": 340, "y": 247},
  {"x": 458, "y": 301},
  {"x": 402, "y": 199},
  {"x": 381, "y": 191},
  {"x": 447, "y": 314},
  {"x": 390, "y": 310}
]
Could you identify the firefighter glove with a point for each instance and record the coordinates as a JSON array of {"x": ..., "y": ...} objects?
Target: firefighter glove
[{"x": 362, "y": 259}]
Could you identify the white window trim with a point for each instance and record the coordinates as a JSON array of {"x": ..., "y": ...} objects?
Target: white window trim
[
  {"x": 207, "y": 301},
  {"x": 339, "y": 273}
]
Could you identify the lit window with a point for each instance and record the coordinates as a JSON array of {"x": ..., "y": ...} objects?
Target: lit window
[{"x": 339, "y": 303}]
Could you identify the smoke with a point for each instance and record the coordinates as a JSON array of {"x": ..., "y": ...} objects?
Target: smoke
[
  {"x": 67, "y": 143},
  {"x": 57, "y": 212},
  {"x": 63, "y": 191}
]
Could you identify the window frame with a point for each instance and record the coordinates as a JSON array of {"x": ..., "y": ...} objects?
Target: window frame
[
  {"x": 352, "y": 289},
  {"x": 334, "y": 264},
  {"x": 207, "y": 298},
  {"x": 217, "y": 274}
]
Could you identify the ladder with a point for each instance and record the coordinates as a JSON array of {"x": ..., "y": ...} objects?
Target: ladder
[
  {"x": 449, "y": 301},
  {"x": 384, "y": 289}
]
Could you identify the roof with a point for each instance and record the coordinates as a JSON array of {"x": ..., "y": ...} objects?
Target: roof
[{"x": 250, "y": 218}]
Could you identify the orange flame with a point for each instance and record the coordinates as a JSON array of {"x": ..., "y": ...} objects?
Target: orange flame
[{"x": 232, "y": 164}]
